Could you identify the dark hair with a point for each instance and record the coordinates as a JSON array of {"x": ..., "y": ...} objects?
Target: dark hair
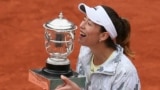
[{"x": 123, "y": 31}]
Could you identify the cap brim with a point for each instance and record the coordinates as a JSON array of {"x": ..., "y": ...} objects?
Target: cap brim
[
  {"x": 91, "y": 13},
  {"x": 83, "y": 8}
]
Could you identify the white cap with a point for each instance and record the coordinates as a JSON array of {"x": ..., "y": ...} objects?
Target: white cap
[{"x": 99, "y": 16}]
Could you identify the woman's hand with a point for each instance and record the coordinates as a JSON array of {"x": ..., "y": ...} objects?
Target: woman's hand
[{"x": 68, "y": 84}]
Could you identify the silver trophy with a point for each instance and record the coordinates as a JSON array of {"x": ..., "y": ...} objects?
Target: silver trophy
[
  {"x": 59, "y": 39},
  {"x": 59, "y": 43}
]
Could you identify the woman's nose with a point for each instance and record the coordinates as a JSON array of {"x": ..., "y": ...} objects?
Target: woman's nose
[{"x": 82, "y": 24}]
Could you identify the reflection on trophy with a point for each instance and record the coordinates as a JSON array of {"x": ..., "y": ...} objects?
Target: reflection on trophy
[{"x": 59, "y": 43}]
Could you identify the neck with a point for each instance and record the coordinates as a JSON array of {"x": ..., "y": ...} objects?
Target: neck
[{"x": 101, "y": 54}]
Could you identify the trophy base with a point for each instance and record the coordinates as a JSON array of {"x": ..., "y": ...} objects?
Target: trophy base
[
  {"x": 48, "y": 82},
  {"x": 57, "y": 70}
]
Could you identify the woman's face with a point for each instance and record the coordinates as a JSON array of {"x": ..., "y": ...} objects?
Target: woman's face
[{"x": 89, "y": 32}]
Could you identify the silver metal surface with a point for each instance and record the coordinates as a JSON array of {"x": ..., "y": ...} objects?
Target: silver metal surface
[
  {"x": 59, "y": 39},
  {"x": 60, "y": 24}
]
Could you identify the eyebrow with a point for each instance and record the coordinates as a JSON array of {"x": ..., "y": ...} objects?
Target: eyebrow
[{"x": 87, "y": 18}]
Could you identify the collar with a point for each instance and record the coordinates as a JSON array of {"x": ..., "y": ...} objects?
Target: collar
[{"x": 109, "y": 67}]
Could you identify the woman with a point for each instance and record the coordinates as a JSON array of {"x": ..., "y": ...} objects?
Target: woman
[{"x": 104, "y": 54}]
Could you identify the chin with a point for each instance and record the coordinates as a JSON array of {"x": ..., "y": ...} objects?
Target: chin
[{"x": 81, "y": 43}]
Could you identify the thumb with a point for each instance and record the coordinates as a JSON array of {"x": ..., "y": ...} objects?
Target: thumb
[
  {"x": 69, "y": 84},
  {"x": 66, "y": 80}
]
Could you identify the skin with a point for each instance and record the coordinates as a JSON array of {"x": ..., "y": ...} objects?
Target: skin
[
  {"x": 90, "y": 36},
  {"x": 68, "y": 84},
  {"x": 93, "y": 39}
]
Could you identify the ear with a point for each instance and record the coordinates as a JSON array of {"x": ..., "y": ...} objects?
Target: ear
[{"x": 103, "y": 36}]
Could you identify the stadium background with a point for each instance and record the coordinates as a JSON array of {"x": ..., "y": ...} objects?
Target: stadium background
[{"x": 22, "y": 37}]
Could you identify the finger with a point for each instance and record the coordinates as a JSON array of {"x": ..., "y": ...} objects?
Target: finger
[{"x": 69, "y": 85}]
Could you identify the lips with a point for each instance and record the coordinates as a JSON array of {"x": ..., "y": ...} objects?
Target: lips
[{"x": 82, "y": 34}]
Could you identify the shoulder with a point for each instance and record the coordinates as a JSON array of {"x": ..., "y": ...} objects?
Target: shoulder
[
  {"x": 126, "y": 69},
  {"x": 83, "y": 59},
  {"x": 126, "y": 75},
  {"x": 126, "y": 65},
  {"x": 84, "y": 54}
]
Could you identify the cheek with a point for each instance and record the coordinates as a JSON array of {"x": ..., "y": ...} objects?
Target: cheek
[
  {"x": 92, "y": 32},
  {"x": 93, "y": 37}
]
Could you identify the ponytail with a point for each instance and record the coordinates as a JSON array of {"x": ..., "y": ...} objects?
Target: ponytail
[
  {"x": 123, "y": 37},
  {"x": 123, "y": 32}
]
